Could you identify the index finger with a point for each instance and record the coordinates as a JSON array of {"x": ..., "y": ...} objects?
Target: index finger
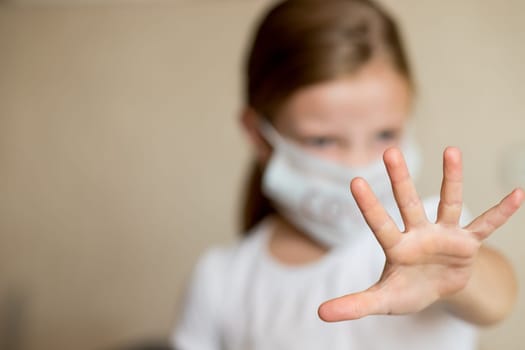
[{"x": 381, "y": 224}]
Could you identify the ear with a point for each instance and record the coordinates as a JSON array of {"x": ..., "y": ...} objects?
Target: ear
[{"x": 250, "y": 125}]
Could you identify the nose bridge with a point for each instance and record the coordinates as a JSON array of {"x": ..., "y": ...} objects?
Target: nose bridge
[{"x": 358, "y": 154}]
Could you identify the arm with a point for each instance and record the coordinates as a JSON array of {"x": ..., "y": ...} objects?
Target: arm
[
  {"x": 197, "y": 327},
  {"x": 490, "y": 293}
]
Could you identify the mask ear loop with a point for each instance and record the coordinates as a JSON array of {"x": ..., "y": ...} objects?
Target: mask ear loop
[
  {"x": 275, "y": 139},
  {"x": 268, "y": 132}
]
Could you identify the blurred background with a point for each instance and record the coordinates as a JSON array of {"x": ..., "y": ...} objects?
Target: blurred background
[{"x": 121, "y": 156}]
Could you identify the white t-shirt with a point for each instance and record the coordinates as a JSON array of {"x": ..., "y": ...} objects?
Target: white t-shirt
[{"x": 240, "y": 298}]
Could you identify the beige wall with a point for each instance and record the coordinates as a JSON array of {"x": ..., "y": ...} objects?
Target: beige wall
[{"x": 121, "y": 158}]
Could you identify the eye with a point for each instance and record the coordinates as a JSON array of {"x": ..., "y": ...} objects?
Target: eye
[
  {"x": 387, "y": 135},
  {"x": 319, "y": 141}
]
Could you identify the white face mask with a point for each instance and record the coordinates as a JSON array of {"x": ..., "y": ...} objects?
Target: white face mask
[{"x": 313, "y": 193}]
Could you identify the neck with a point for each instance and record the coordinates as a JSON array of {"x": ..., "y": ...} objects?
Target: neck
[{"x": 291, "y": 246}]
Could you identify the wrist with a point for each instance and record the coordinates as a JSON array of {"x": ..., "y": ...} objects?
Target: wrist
[{"x": 490, "y": 293}]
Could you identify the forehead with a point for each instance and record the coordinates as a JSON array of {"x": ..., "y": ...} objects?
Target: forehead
[{"x": 375, "y": 95}]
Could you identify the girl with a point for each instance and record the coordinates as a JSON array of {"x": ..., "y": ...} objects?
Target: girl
[{"x": 328, "y": 94}]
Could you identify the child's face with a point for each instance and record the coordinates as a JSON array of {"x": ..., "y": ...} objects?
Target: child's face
[{"x": 350, "y": 120}]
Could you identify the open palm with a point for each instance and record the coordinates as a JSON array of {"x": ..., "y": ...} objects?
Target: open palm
[{"x": 429, "y": 260}]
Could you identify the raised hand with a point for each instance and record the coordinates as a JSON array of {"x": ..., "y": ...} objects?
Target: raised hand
[{"x": 428, "y": 261}]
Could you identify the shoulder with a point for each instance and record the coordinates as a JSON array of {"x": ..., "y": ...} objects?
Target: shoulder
[
  {"x": 210, "y": 266},
  {"x": 217, "y": 268},
  {"x": 217, "y": 261}
]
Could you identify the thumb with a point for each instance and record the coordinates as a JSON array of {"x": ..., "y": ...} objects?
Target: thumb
[{"x": 352, "y": 306}]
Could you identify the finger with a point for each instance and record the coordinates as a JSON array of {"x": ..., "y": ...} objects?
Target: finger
[
  {"x": 451, "y": 199},
  {"x": 381, "y": 224},
  {"x": 352, "y": 306},
  {"x": 405, "y": 193},
  {"x": 496, "y": 216}
]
